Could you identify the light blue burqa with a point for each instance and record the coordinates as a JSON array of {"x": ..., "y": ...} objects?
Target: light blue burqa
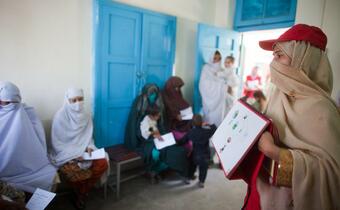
[{"x": 23, "y": 154}]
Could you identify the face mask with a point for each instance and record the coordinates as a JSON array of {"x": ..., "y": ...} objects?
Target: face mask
[
  {"x": 77, "y": 107},
  {"x": 8, "y": 107},
  {"x": 152, "y": 97}
]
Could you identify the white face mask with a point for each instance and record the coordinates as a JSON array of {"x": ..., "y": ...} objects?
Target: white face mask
[
  {"x": 8, "y": 107},
  {"x": 77, "y": 107}
]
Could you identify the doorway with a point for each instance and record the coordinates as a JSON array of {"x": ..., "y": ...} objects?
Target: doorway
[{"x": 254, "y": 56}]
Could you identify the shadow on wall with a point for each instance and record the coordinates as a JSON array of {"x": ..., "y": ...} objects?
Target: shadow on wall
[
  {"x": 47, "y": 124},
  {"x": 185, "y": 55}
]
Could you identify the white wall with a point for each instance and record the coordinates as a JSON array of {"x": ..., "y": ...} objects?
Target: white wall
[
  {"x": 224, "y": 13},
  {"x": 45, "y": 47},
  {"x": 324, "y": 14},
  {"x": 185, "y": 55},
  {"x": 331, "y": 26},
  {"x": 195, "y": 10}
]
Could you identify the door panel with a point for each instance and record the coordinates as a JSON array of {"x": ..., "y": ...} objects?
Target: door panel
[
  {"x": 120, "y": 89},
  {"x": 210, "y": 39},
  {"x": 117, "y": 119},
  {"x": 157, "y": 74},
  {"x": 120, "y": 62},
  {"x": 158, "y": 47}
]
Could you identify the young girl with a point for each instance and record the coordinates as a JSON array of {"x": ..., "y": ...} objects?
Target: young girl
[{"x": 149, "y": 130}]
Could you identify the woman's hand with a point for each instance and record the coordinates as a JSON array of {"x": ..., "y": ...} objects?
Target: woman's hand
[
  {"x": 179, "y": 118},
  {"x": 89, "y": 150},
  {"x": 267, "y": 146},
  {"x": 79, "y": 159},
  {"x": 205, "y": 124},
  {"x": 157, "y": 135}
]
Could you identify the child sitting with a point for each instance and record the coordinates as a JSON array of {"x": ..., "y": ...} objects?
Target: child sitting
[
  {"x": 200, "y": 135},
  {"x": 149, "y": 130}
]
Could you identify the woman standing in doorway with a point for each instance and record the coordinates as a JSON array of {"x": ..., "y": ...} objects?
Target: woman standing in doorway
[
  {"x": 308, "y": 122},
  {"x": 213, "y": 91}
]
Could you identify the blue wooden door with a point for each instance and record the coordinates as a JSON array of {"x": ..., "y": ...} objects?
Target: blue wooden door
[
  {"x": 210, "y": 39},
  {"x": 119, "y": 67},
  {"x": 132, "y": 48},
  {"x": 158, "y": 47}
]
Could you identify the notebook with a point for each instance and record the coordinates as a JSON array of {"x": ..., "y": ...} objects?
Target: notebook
[{"x": 236, "y": 138}]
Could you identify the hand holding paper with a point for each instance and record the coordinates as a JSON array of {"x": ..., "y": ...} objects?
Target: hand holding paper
[
  {"x": 96, "y": 154},
  {"x": 267, "y": 146},
  {"x": 187, "y": 114}
]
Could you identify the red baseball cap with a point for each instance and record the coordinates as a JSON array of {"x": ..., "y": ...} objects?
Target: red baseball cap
[{"x": 300, "y": 32}]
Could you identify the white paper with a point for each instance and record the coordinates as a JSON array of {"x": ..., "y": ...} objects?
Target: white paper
[
  {"x": 236, "y": 134},
  {"x": 253, "y": 84},
  {"x": 168, "y": 140},
  {"x": 187, "y": 114},
  {"x": 40, "y": 199},
  {"x": 96, "y": 154}
]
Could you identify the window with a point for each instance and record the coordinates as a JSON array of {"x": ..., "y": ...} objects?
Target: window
[{"x": 264, "y": 14}]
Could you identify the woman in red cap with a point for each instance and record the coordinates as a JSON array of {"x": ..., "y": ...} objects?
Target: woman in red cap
[{"x": 308, "y": 122}]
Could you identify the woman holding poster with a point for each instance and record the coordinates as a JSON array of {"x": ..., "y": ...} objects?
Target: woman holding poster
[{"x": 308, "y": 123}]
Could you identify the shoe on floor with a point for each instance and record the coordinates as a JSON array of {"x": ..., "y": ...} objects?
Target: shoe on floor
[
  {"x": 200, "y": 184},
  {"x": 186, "y": 181},
  {"x": 193, "y": 177}
]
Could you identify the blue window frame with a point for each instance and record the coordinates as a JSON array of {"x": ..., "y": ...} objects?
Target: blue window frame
[{"x": 264, "y": 14}]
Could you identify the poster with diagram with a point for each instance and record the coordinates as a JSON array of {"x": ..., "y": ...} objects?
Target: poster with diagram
[{"x": 237, "y": 134}]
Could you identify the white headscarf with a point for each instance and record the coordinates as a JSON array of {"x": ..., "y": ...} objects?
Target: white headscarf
[
  {"x": 72, "y": 130},
  {"x": 23, "y": 153},
  {"x": 213, "y": 91}
]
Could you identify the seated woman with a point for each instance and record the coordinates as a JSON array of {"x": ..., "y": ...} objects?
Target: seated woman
[
  {"x": 150, "y": 129},
  {"x": 72, "y": 136},
  {"x": 174, "y": 156},
  {"x": 24, "y": 162},
  {"x": 174, "y": 103}
]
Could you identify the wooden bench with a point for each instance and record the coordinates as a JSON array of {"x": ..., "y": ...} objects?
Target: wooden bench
[{"x": 119, "y": 156}]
